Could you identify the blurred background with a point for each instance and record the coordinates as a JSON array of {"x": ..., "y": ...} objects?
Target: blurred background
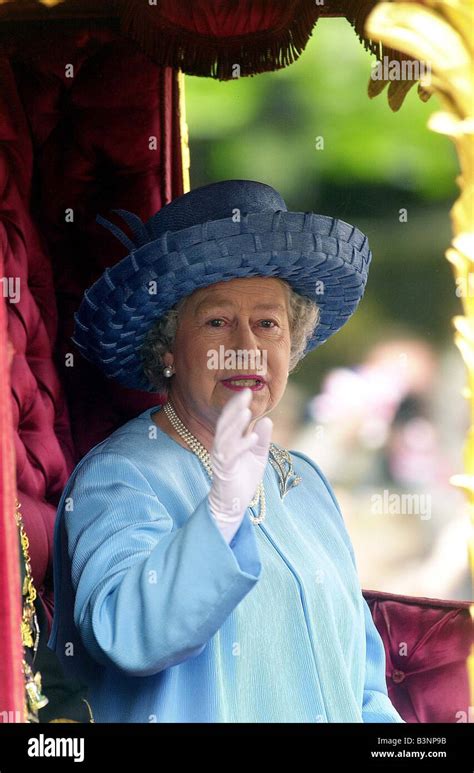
[{"x": 379, "y": 407}]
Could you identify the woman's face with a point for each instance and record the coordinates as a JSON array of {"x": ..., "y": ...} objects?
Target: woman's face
[{"x": 234, "y": 328}]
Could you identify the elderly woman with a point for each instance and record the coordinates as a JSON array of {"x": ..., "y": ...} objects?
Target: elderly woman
[{"x": 202, "y": 572}]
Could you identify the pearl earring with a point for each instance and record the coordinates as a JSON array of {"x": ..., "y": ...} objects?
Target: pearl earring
[{"x": 168, "y": 371}]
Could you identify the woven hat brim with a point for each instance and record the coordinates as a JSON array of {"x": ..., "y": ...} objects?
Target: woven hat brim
[{"x": 322, "y": 258}]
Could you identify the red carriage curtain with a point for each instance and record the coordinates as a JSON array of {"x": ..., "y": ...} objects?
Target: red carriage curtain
[{"x": 87, "y": 123}]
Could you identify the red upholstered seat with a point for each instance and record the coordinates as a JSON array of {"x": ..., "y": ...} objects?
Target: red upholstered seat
[
  {"x": 72, "y": 146},
  {"x": 426, "y": 642}
]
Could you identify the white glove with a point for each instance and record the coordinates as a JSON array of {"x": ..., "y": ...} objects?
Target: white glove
[{"x": 238, "y": 462}]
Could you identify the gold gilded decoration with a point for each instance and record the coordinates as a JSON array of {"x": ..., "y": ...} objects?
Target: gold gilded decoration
[
  {"x": 440, "y": 32},
  {"x": 34, "y": 698},
  {"x": 184, "y": 133}
]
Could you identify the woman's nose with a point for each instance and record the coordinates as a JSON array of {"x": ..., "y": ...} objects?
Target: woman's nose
[{"x": 243, "y": 337}]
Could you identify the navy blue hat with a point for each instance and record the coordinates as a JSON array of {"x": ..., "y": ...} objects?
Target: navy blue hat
[{"x": 222, "y": 231}]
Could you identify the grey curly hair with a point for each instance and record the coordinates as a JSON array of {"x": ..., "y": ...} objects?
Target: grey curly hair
[{"x": 303, "y": 316}]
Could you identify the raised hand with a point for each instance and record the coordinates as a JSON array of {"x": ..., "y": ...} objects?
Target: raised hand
[{"x": 238, "y": 462}]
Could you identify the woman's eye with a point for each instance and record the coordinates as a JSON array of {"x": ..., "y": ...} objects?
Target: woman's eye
[
  {"x": 211, "y": 322},
  {"x": 269, "y": 324}
]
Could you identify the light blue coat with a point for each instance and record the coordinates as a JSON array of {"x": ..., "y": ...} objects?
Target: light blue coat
[{"x": 166, "y": 622}]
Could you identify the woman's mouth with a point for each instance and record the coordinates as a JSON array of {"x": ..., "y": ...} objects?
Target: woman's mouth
[{"x": 255, "y": 383}]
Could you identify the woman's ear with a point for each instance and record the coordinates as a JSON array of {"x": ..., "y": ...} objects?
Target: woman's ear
[{"x": 168, "y": 358}]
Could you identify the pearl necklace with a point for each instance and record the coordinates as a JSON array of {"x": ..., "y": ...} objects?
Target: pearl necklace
[{"x": 205, "y": 458}]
